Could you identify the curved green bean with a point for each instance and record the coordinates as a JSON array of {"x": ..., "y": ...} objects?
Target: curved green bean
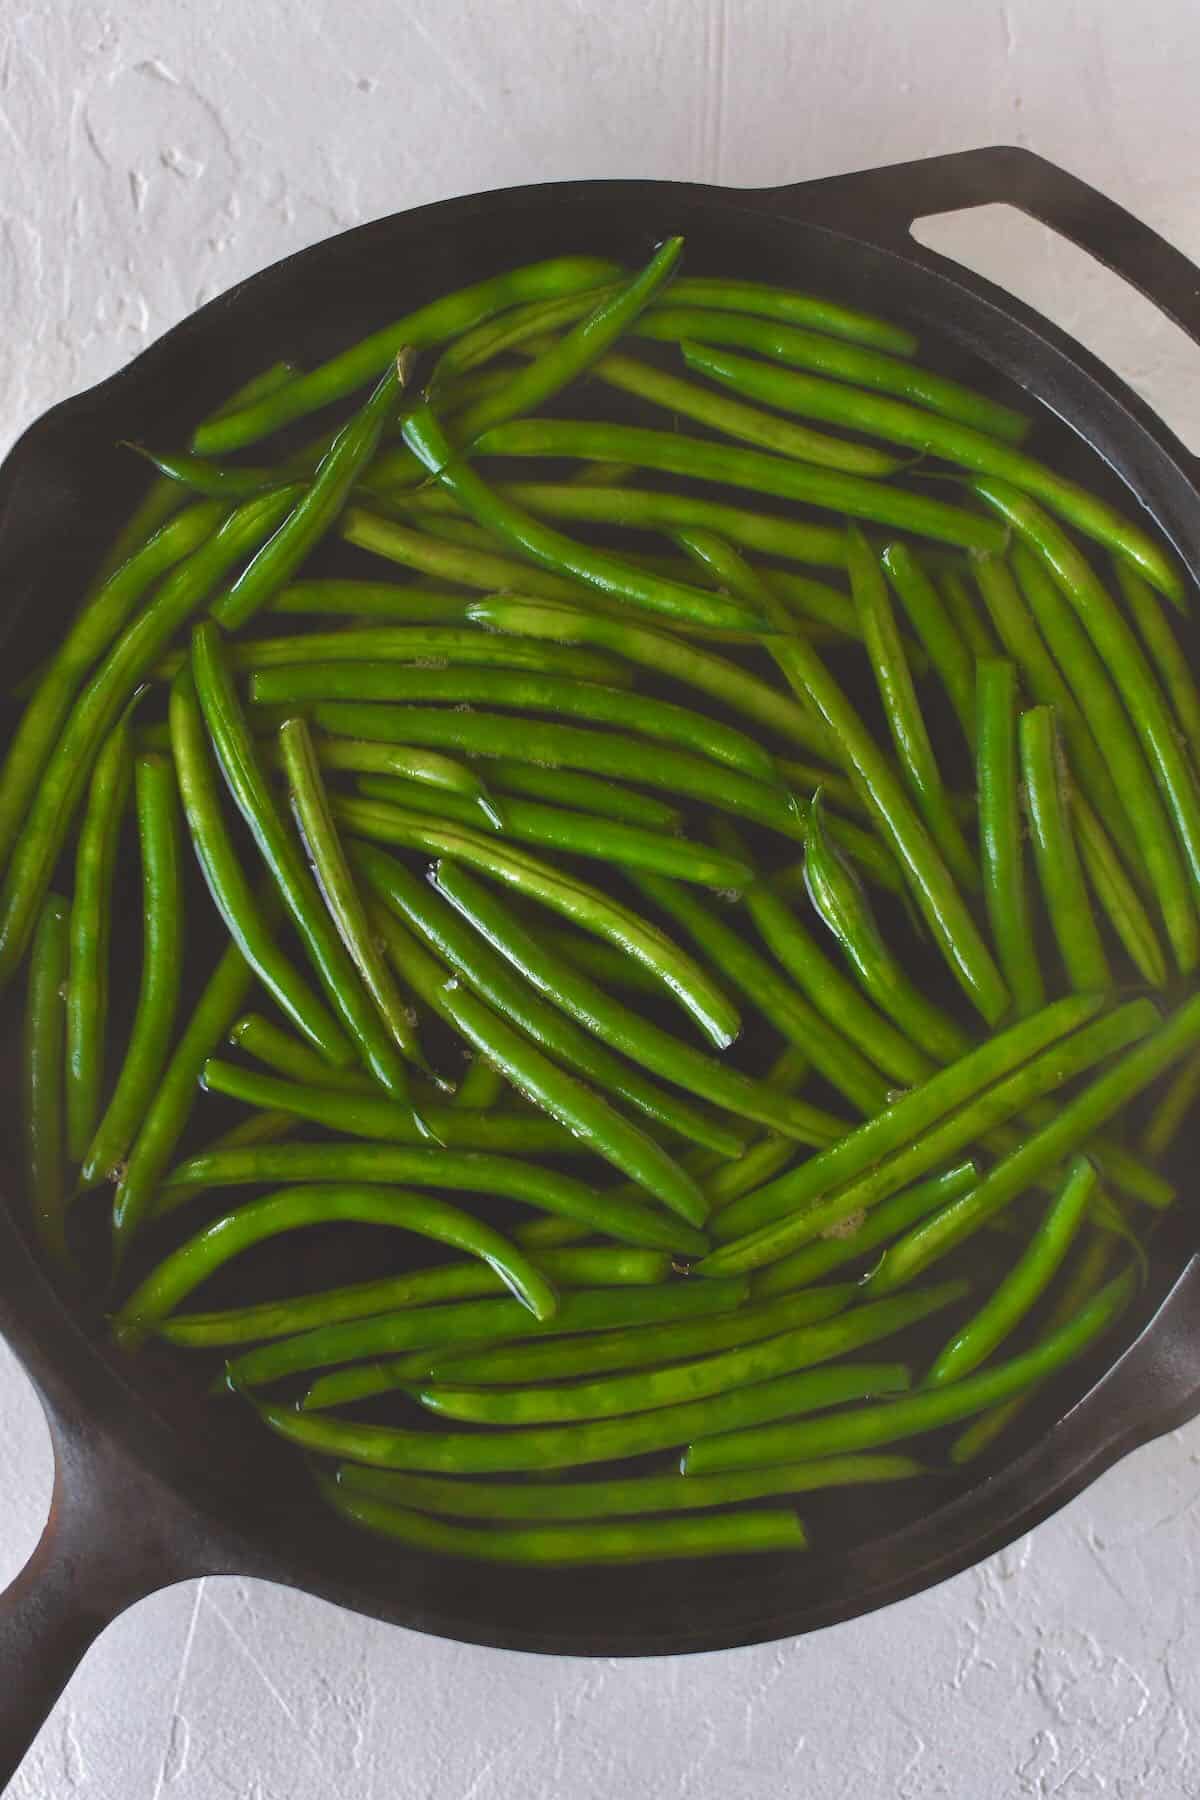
[
  {"x": 1000, "y": 834},
  {"x": 1059, "y": 871},
  {"x": 42, "y": 1096}
]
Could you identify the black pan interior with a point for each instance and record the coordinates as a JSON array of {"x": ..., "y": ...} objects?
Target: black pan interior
[{"x": 62, "y": 490}]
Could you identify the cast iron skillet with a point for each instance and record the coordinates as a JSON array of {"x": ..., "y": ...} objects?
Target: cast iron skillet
[{"x": 154, "y": 1485}]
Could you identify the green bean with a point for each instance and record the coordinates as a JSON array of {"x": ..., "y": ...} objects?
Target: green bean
[
  {"x": 217, "y": 481},
  {"x": 795, "y": 308},
  {"x": 555, "y": 1546},
  {"x": 1000, "y": 834},
  {"x": 607, "y": 965},
  {"x": 283, "y": 1054},
  {"x": 248, "y": 784},
  {"x": 310, "y": 806},
  {"x": 42, "y": 1095},
  {"x": 674, "y": 454},
  {"x": 464, "y": 1169},
  {"x": 873, "y": 1425},
  {"x": 370, "y": 600},
  {"x": 469, "y": 1279},
  {"x": 505, "y": 989},
  {"x": 937, "y": 631},
  {"x": 1025, "y": 1282},
  {"x": 893, "y": 420},
  {"x": 633, "y": 1346},
  {"x": 1164, "y": 649},
  {"x": 907, "y": 1120},
  {"x": 1116, "y": 893},
  {"x": 585, "y": 793},
  {"x": 789, "y": 1071},
  {"x": 864, "y": 1232},
  {"x": 586, "y": 1114},
  {"x": 441, "y": 774},
  {"x": 428, "y": 647},
  {"x": 134, "y": 653},
  {"x": 1023, "y": 642},
  {"x": 553, "y": 827},
  {"x": 782, "y": 343},
  {"x": 433, "y": 323},
  {"x": 482, "y": 1085},
  {"x": 550, "y": 1233},
  {"x": 1065, "y": 1133},
  {"x": 476, "y": 1321},
  {"x": 902, "y": 709},
  {"x": 1172, "y": 1110},
  {"x": 722, "y": 680},
  {"x": 604, "y": 1499},
  {"x": 1122, "y": 654},
  {"x": 842, "y": 904},
  {"x": 100, "y": 621},
  {"x": 290, "y": 1209},
  {"x": 838, "y": 790},
  {"x": 568, "y": 1446},
  {"x": 450, "y": 562},
  {"x": 972, "y": 625},
  {"x": 89, "y": 935},
  {"x": 498, "y": 336},
  {"x": 558, "y": 365},
  {"x": 162, "y": 962},
  {"x": 167, "y": 1114},
  {"x": 1056, "y": 856},
  {"x": 227, "y": 883},
  {"x": 646, "y": 1390},
  {"x": 831, "y": 1055},
  {"x": 818, "y": 603},
  {"x": 257, "y": 1128}
]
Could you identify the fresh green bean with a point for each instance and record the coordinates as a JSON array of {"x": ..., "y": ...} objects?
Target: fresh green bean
[
  {"x": 585, "y": 793},
  {"x": 645, "y": 1390},
  {"x": 782, "y": 343},
  {"x": 604, "y": 962},
  {"x": 674, "y": 454},
  {"x": 972, "y": 626},
  {"x": 478, "y": 1321},
  {"x": 838, "y": 790},
  {"x": 482, "y": 1085},
  {"x": 937, "y": 631},
  {"x": 549, "y": 1233},
  {"x": 255, "y": 1129},
  {"x": 429, "y": 647},
  {"x": 498, "y": 336},
  {"x": 468, "y": 566},
  {"x": 404, "y": 762},
  {"x": 1000, "y": 834},
  {"x": 291, "y": 1209},
  {"x": 285, "y": 1055},
  {"x": 862, "y": 1232},
  {"x": 1056, "y": 856},
  {"x": 433, "y": 323},
  {"x": 310, "y": 806},
  {"x": 887, "y": 1424},
  {"x": 227, "y": 883},
  {"x": 1025, "y": 1282},
  {"x": 134, "y": 653},
  {"x": 89, "y": 935},
  {"x": 555, "y": 1546},
  {"x": 1071, "y": 1128},
  {"x": 1172, "y": 1110},
  {"x": 42, "y": 1094},
  {"x": 370, "y": 600},
  {"x": 249, "y": 786},
  {"x": 616, "y": 1497},
  {"x": 99, "y": 623},
  {"x": 162, "y": 962},
  {"x": 907, "y": 1121},
  {"x": 1160, "y": 641},
  {"x": 1116, "y": 893},
  {"x": 1023, "y": 642},
  {"x": 568, "y": 1446},
  {"x": 920, "y": 430},
  {"x": 215, "y": 480},
  {"x": 794, "y": 308}
]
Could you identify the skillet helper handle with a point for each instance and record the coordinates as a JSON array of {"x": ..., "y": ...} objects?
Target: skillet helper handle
[{"x": 109, "y": 1541}]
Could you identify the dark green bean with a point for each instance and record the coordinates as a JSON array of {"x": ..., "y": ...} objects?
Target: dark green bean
[
  {"x": 162, "y": 964},
  {"x": 1164, "y": 649},
  {"x": 134, "y": 653},
  {"x": 100, "y": 621},
  {"x": 291, "y": 1209},
  {"x": 443, "y": 318},
  {"x": 42, "y": 1095},
  {"x": 1172, "y": 1110},
  {"x": 370, "y": 600},
  {"x": 249, "y": 786},
  {"x": 227, "y": 883},
  {"x": 972, "y": 625},
  {"x": 268, "y": 1043},
  {"x": 1116, "y": 893},
  {"x": 937, "y": 631},
  {"x": 553, "y": 1546},
  {"x": 585, "y": 793},
  {"x": 1056, "y": 856},
  {"x": 605, "y": 963},
  {"x": 908, "y": 1119},
  {"x": 616, "y": 1497},
  {"x": 568, "y": 1446},
  {"x": 481, "y": 1086},
  {"x": 674, "y": 454},
  {"x": 442, "y": 774},
  {"x": 1025, "y": 1282},
  {"x": 872, "y": 1425},
  {"x": 898, "y": 423},
  {"x": 89, "y": 934},
  {"x": 864, "y": 1232},
  {"x": 1000, "y": 834},
  {"x": 254, "y": 1130}
]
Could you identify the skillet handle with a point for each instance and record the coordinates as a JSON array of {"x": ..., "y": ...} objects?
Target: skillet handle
[{"x": 110, "y": 1540}]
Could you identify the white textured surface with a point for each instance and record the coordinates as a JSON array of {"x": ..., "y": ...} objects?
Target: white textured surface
[{"x": 152, "y": 154}]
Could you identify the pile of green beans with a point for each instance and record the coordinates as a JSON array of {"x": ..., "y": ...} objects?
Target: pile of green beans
[{"x": 446, "y": 821}]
